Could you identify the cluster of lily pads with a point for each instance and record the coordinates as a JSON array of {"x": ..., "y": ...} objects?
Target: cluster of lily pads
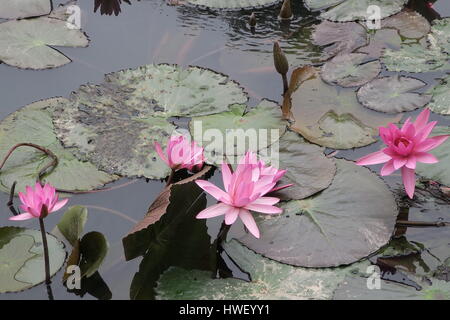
[{"x": 335, "y": 213}]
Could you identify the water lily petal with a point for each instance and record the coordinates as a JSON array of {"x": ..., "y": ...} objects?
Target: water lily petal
[
  {"x": 373, "y": 158},
  {"x": 409, "y": 181},
  {"x": 263, "y": 208},
  {"x": 426, "y": 157},
  {"x": 210, "y": 188},
  {"x": 21, "y": 217},
  {"x": 231, "y": 215},
  {"x": 388, "y": 168},
  {"x": 422, "y": 119},
  {"x": 249, "y": 222},
  {"x": 214, "y": 211}
]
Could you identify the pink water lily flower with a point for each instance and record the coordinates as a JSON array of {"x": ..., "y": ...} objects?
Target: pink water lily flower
[
  {"x": 181, "y": 153},
  {"x": 39, "y": 202},
  {"x": 406, "y": 147},
  {"x": 245, "y": 191}
]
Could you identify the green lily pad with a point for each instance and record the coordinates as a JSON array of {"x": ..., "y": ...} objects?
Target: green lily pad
[
  {"x": 233, "y": 4},
  {"x": 350, "y": 70},
  {"x": 17, "y": 9},
  {"x": 440, "y": 97},
  {"x": 238, "y": 130},
  {"x": 356, "y": 289},
  {"x": 22, "y": 258},
  {"x": 346, "y": 222},
  {"x": 409, "y": 23},
  {"x": 270, "y": 280},
  {"x": 28, "y": 44},
  {"x": 441, "y": 32},
  {"x": 438, "y": 171},
  {"x": 72, "y": 223},
  {"x": 308, "y": 169},
  {"x": 416, "y": 58},
  {"x": 393, "y": 94},
  {"x": 354, "y": 10},
  {"x": 93, "y": 250},
  {"x": 33, "y": 124},
  {"x": 332, "y": 117},
  {"x": 339, "y": 38}
]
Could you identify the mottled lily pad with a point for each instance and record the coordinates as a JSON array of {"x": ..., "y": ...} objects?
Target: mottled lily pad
[
  {"x": 438, "y": 171},
  {"x": 440, "y": 100},
  {"x": 308, "y": 169},
  {"x": 233, "y": 4},
  {"x": 17, "y": 9},
  {"x": 354, "y": 10},
  {"x": 441, "y": 32},
  {"x": 33, "y": 124},
  {"x": 270, "y": 280},
  {"x": 393, "y": 94},
  {"x": 333, "y": 118},
  {"x": 22, "y": 258},
  {"x": 381, "y": 40},
  {"x": 409, "y": 23},
  {"x": 236, "y": 131},
  {"x": 339, "y": 38},
  {"x": 346, "y": 222},
  {"x": 350, "y": 70},
  {"x": 28, "y": 44}
]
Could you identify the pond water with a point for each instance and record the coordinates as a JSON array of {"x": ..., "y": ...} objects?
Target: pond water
[{"x": 151, "y": 31}]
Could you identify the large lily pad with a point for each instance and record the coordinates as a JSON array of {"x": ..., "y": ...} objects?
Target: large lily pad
[
  {"x": 350, "y": 70},
  {"x": 33, "y": 124},
  {"x": 236, "y": 131},
  {"x": 308, "y": 169},
  {"x": 270, "y": 280},
  {"x": 339, "y": 38},
  {"x": 380, "y": 41},
  {"x": 333, "y": 118},
  {"x": 393, "y": 94},
  {"x": 441, "y": 32},
  {"x": 438, "y": 171},
  {"x": 17, "y": 9},
  {"x": 233, "y": 4},
  {"x": 29, "y": 44},
  {"x": 440, "y": 100},
  {"x": 409, "y": 23},
  {"x": 353, "y": 10},
  {"x": 346, "y": 222},
  {"x": 22, "y": 258}
]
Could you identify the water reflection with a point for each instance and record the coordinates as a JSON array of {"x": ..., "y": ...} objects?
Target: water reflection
[{"x": 109, "y": 7}]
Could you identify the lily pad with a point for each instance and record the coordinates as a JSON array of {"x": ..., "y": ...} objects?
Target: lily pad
[
  {"x": 270, "y": 280},
  {"x": 380, "y": 41},
  {"x": 28, "y": 44},
  {"x": 236, "y": 131},
  {"x": 393, "y": 94},
  {"x": 438, "y": 171},
  {"x": 409, "y": 23},
  {"x": 22, "y": 258},
  {"x": 308, "y": 169},
  {"x": 354, "y": 10},
  {"x": 233, "y": 4},
  {"x": 339, "y": 38},
  {"x": 356, "y": 289},
  {"x": 441, "y": 32},
  {"x": 33, "y": 124},
  {"x": 350, "y": 70},
  {"x": 72, "y": 223},
  {"x": 346, "y": 222},
  {"x": 18, "y": 9},
  {"x": 332, "y": 117},
  {"x": 440, "y": 97}
]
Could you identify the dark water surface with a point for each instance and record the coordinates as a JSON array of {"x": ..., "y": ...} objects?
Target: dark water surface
[{"x": 147, "y": 32}]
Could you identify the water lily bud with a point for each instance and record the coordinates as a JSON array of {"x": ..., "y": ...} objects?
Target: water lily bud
[
  {"x": 286, "y": 10},
  {"x": 252, "y": 20},
  {"x": 279, "y": 59}
]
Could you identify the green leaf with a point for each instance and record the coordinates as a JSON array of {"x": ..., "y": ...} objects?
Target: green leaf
[
  {"x": 238, "y": 130},
  {"x": 22, "y": 258},
  {"x": 438, "y": 171},
  {"x": 232, "y": 4},
  {"x": 332, "y": 117},
  {"x": 350, "y": 70},
  {"x": 393, "y": 94},
  {"x": 28, "y": 44},
  {"x": 440, "y": 100},
  {"x": 270, "y": 280},
  {"x": 72, "y": 223},
  {"x": 346, "y": 222},
  {"x": 441, "y": 32},
  {"x": 93, "y": 250},
  {"x": 17, "y": 9},
  {"x": 33, "y": 124}
]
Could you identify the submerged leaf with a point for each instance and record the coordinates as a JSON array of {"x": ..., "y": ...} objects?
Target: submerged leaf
[
  {"x": 22, "y": 258},
  {"x": 17, "y": 9},
  {"x": 33, "y": 124},
  {"x": 28, "y": 43},
  {"x": 346, "y": 222},
  {"x": 350, "y": 70},
  {"x": 393, "y": 94}
]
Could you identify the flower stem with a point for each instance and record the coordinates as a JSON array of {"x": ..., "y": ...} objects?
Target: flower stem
[
  {"x": 46, "y": 257},
  {"x": 169, "y": 180}
]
